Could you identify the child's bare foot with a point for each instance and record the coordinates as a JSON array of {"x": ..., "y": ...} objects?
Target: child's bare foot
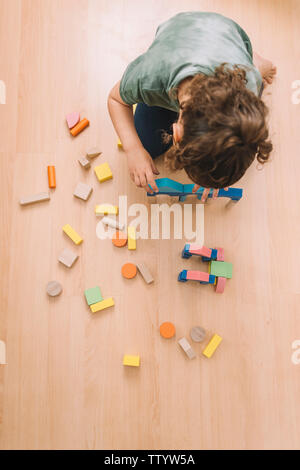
[{"x": 266, "y": 67}]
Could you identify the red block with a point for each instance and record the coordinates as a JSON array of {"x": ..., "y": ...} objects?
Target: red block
[
  {"x": 220, "y": 254},
  {"x": 220, "y": 285},
  {"x": 200, "y": 250},
  {"x": 197, "y": 276}
]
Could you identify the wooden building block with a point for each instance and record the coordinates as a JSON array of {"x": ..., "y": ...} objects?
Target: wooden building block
[
  {"x": 109, "y": 302},
  {"x": 104, "y": 209},
  {"x": 212, "y": 346},
  {"x": 51, "y": 177},
  {"x": 112, "y": 223},
  {"x": 93, "y": 295},
  {"x": 103, "y": 172},
  {"x": 128, "y": 270},
  {"x": 53, "y": 288},
  {"x": 83, "y": 191},
  {"x": 197, "y": 276},
  {"x": 93, "y": 152},
  {"x": 72, "y": 119},
  {"x": 34, "y": 198},
  {"x": 79, "y": 127},
  {"x": 220, "y": 254},
  {"x": 131, "y": 238},
  {"x": 221, "y": 268},
  {"x": 133, "y": 361},
  {"x": 67, "y": 257},
  {"x": 2, "y": 353},
  {"x": 197, "y": 334},
  {"x": 199, "y": 250},
  {"x": 119, "y": 239},
  {"x": 143, "y": 269},
  {"x": 183, "y": 342},
  {"x": 84, "y": 162},
  {"x": 72, "y": 234}
]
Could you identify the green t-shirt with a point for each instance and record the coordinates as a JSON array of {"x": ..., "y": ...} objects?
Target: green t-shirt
[{"x": 187, "y": 44}]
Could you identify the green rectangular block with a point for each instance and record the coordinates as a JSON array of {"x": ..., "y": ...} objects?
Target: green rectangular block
[
  {"x": 221, "y": 268},
  {"x": 93, "y": 295}
]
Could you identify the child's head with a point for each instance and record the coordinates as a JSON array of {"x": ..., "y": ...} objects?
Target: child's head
[{"x": 223, "y": 127}]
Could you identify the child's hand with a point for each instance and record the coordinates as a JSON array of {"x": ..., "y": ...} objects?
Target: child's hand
[
  {"x": 206, "y": 192},
  {"x": 142, "y": 169}
]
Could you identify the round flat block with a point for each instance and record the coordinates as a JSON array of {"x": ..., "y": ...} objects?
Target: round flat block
[
  {"x": 54, "y": 288},
  {"x": 167, "y": 330},
  {"x": 119, "y": 239},
  {"x": 129, "y": 270},
  {"x": 197, "y": 334}
]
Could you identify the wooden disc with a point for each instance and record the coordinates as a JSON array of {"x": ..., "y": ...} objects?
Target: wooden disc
[
  {"x": 129, "y": 270},
  {"x": 54, "y": 288},
  {"x": 119, "y": 239},
  {"x": 197, "y": 334},
  {"x": 167, "y": 330}
]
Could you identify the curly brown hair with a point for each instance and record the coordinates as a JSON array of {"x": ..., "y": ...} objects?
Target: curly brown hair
[{"x": 224, "y": 128}]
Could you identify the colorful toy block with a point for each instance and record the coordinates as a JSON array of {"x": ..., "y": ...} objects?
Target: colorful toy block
[
  {"x": 67, "y": 257},
  {"x": 187, "y": 348},
  {"x": 72, "y": 119},
  {"x": 173, "y": 188},
  {"x": 53, "y": 288},
  {"x": 131, "y": 238},
  {"x": 212, "y": 346},
  {"x": 72, "y": 234},
  {"x": 221, "y": 268},
  {"x": 79, "y": 127},
  {"x": 105, "y": 209},
  {"x": 103, "y": 172},
  {"x": 200, "y": 250},
  {"x": 112, "y": 223},
  {"x": 93, "y": 295},
  {"x": 133, "y": 361},
  {"x": 220, "y": 254},
  {"x": 40, "y": 197},
  {"x": 83, "y": 191},
  {"x": 203, "y": 278},
  {"x": 109, "y": 302},
  {"x": 220, "y": 287},
  {"x": 51, "y": 177}
]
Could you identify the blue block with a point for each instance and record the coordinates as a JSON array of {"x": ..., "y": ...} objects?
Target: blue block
[
  {"x": 182, "y": 276},
  {"x": 185, "y": 252},
  {"x": 214, "y": 253},
  {"x": 212, "y": 279}
]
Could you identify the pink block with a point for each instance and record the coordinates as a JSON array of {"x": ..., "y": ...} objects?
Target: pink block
[
  {"x": 73, "y": 119},
  {"x": 220, "y": 285},
  {"x": 200, "y": 250},
  {"x": 220, "y": 254},
  {"x": 197, "y": 276}
]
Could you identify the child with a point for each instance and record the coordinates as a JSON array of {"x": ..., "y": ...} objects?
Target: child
[{"x": 197, "y": 85}]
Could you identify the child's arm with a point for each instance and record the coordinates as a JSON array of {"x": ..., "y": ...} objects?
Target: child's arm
[{"x": 140, "y": 164}]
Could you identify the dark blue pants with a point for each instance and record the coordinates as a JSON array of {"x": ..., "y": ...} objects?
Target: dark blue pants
[{"x": 149, "y": 122}]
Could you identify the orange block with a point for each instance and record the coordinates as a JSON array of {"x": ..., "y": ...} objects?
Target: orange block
[
  {"x": 79, "y": 127},
  {"x": 119, "y": 239},
  {"x": 51, "y": 177},
  {"x": 167, "y": 329},
  {"x": 129, "y": 270}
]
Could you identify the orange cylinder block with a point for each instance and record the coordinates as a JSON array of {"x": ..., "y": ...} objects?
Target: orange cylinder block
[
  {"x": 51, "y": 177},
  {"x": 79, "y": 127}
]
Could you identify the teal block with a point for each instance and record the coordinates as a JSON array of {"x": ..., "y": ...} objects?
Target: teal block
[
  {"x": 221, "y": 268},
  {"x": 93, "y": 295}
]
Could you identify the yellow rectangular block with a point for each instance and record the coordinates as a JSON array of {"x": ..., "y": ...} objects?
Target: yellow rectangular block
[
  {"x": 102, "y": 209},
  {"x": 131, "y": 238},
  {"x": 131, "y": 361},
  {"x": 72, "y": 234},
  {"x": 212, "y": 346},
  {"x": 102, "y": 305},
  {"x": 103, "y": 172}
]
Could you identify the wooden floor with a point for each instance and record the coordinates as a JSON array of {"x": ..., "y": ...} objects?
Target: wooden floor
[{"x": 64, "y": 386}]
